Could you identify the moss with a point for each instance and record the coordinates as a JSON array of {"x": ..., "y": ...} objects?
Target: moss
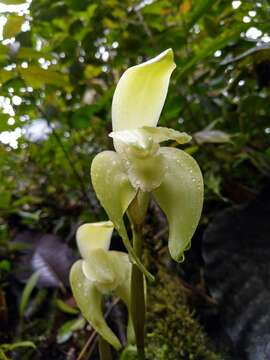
[{"x": 173, "y": 333}]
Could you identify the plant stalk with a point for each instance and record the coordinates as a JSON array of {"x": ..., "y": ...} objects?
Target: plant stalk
[
  {"x": 138, "y": 295},
  {"x": 104, "y": 349},
  {"x": 136, "y": 213}
]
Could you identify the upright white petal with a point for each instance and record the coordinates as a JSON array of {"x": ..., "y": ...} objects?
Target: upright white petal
[
  {"x": 94, "y": 236},
  {"x": 141, "y": 92}
]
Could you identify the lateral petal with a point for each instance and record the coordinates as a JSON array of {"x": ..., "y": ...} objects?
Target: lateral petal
[
  {"x": 115, "y": 194},
  {"x": 180, "y": 196},
  {"x": 89, "y": 301}
]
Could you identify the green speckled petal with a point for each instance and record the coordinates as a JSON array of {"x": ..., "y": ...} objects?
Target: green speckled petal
[
  {"x": 180, "y": 196},
  {"x": 89, "y": 301},
  {"x": 115, "y": 194}
]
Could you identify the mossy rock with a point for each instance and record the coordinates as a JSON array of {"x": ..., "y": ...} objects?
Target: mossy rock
[{"x": 173, "y": 333}]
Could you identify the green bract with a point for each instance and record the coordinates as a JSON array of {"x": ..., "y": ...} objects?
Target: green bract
[
  {"x": 100, "y": 272},
  {"x": 141, "y": 165}
]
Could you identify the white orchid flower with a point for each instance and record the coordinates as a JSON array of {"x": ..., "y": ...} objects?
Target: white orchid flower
[
  {"x": 100, "y": 272},
  {"x": 141, "y": 164}
]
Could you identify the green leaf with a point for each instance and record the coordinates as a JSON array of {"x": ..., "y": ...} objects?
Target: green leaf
[
  {"x": 129, "y": 353},
  {"x": 89, "y": 300},
  {"x": 27, "y": 291},
  {"x": 91, "y": 71},
  {"x": 5, "y": 199},
  {"x": 66, "y": 330},
  {"x": 209, "y": 48},
  {"x": 3, "y": 356},
  {"x": 61, "y": 305},
  {"x": 6, "y": 75},
  {"x": 115, "y": 194},
  {"x": 13, "y": 2},
  {"x": 30, "y": 54},
  {"x": 4, "y": 50},
  {"x": 36, "y": 77},
  {"x": 180, "y": 196},
  {"x": 10, "y": 347},
  {"x": 200, "y": 8},
  {"x": 13, "y": 26},
  {"x": 5, "y": 265}
]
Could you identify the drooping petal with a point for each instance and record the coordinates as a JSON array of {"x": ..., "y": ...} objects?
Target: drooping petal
[
  {"x": 115, "y": 193},
  {"x": 89, "y": 301},
  {"x": 123, "y": 290},
  {"x": 115, "y": 267},
  {"x": 94, "y": 236},
  {"x": 180, "y": 196},
  {"x": 140, "y": 93}
]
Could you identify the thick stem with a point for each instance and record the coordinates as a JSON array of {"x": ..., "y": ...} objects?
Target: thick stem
[
  {"x": 104, "y": 349},
  {"x": 136, "y": 213},
  {"x": 138, "y": 295}
]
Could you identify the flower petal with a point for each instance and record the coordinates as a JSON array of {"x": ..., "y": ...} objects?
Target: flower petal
[
  {"x": 140, "y": 93},
  {"x": 143, "y": 137},
  {"x": 180, "y": 196},
  {"x": 115, "y": 193},
  {"x": 139, "y": 149},
  {"x": 107, "y": 269},
  {"x": 100, "y": 270},
  {"x": 89, "y": 301},
  {"x": 94, "y": 236}
]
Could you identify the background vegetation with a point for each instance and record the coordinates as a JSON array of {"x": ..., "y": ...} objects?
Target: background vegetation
[{"x": 59, "y": 64}]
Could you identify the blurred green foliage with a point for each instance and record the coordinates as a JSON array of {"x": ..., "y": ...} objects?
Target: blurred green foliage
[{"x": 60, "y": 62}]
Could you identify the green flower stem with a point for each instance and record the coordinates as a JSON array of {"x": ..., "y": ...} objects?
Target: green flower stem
[
  {"x": 138, "y": 295},
  {"x": 136, "y": 214},
  {"x": 104, "y": 349}
]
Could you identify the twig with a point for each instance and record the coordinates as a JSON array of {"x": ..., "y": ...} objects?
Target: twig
[{"x": 144, "y": 24}]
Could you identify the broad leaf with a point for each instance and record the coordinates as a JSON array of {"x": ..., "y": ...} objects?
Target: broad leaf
[
  {"x": 13, "y": 2},
  {"x": 180, "y": 196},
  {"x": 36, "y": 77},
  {"x": 13, "y": 26}
]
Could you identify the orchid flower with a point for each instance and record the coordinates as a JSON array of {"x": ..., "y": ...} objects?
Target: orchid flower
[
  {"x": 100, "y": 272},
  {"x": 140, "y": 164}
]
